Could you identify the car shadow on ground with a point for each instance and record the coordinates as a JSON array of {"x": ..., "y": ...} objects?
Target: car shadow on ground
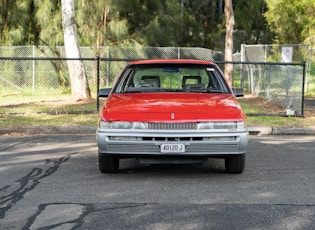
[{"x": 211, "y": 166}]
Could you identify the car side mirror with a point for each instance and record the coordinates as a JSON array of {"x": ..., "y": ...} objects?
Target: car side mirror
[
  {"x": 238, "y": 92},
  {"x": 104, "y": 92}
]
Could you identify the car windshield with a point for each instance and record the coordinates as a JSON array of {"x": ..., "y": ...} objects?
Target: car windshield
[{"x": 172, "y": 78}]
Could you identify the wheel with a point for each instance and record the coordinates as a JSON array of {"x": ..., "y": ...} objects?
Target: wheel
[
  {"x": 108, "y": 164},
  {"x": 235, "y": 164}
]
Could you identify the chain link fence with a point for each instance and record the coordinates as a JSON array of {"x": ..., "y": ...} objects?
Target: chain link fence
[
  {"x": 283, "y": 53},
  {"x": 36, "y": 80},
  {"x": 42, "y": 85},
  {"x": 271, "y": 89}
]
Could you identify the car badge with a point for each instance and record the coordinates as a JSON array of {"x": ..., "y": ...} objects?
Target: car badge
[{"x": 172, "y": 116}]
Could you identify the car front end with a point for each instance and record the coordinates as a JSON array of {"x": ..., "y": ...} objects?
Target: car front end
[
  {"x": 198, "y": 139},
  {"x": 168, "y": 122}
]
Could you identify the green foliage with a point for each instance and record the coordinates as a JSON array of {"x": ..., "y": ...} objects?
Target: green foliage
[
  {"x": 292, "y": 21},
  {"x": 13, "y": 22},
  {"x": 48, "y": 15},
  {"x": 250, "y": 21},
  {"x": 311, "y": 84},
  {"x": 196, "y": 23}
]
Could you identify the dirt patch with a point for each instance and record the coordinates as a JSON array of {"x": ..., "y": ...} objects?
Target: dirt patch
[{"x": 259, "y": 105}]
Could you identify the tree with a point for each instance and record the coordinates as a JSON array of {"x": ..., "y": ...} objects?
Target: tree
[
  {"x": 292, "y": 21},
  {"x": 13, "y": 22},
  {"x": 251, "y": 25},
  {"x": 92, "y": 20},
  {"x": 100, "y": 23},
  {"x": 49, "y": 21},
  {"x": 78, "y": 80},
  {"x": 171, "y": 22},
  {"x": 206, "y": 21},
  {"x": 195, "y": 23},
  {"x": 228, "y": 53}
]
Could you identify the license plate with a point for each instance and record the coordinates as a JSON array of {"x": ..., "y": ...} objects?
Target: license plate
[{"x": 172, "y": 148}]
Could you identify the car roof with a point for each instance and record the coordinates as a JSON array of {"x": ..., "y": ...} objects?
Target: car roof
[{"x": 170, "y": 61}]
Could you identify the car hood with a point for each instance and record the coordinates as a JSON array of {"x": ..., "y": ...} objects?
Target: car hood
[{"x": 171, "y": 107}]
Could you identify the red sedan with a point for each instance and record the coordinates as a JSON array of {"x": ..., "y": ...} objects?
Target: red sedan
[{"x": 171, "y": 111}]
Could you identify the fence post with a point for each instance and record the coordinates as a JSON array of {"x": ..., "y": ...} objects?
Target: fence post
[
  {"x": 33, "y": 69},
  {"x": 287, "y": 89},
  {"x": 269, "y": 83},
  {"x": 242, "y": 66},
  {"x": 107, "y": 66},
  {"x": 97, "y": 82},
  {"x": 303, "y": 85}
]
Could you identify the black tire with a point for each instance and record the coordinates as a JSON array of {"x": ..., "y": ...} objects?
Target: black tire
[
  {"x": 108, "y": 164},
  {"x": 235, "y": 164}
]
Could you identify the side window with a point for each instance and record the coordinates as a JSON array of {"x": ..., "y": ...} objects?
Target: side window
[
  {"x": 124, "y": 81},
  {"x": 216, "y": 81},
  {"x": 213, "y": 83}
]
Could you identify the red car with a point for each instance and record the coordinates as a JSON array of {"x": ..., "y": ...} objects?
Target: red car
[{"x": 171, "y": 111}]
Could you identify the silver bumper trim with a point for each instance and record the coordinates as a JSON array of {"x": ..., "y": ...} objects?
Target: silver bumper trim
[{"x": 147, "y": 142}]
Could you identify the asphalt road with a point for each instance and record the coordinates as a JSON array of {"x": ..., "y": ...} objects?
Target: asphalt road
[{"x": 53, "y": 182}]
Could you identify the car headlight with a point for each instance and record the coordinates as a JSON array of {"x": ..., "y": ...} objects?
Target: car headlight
[
  {"x": 123, "y": 125},
  {"x": 229, "y": 125},
  {"x": 240, "y": 125}
]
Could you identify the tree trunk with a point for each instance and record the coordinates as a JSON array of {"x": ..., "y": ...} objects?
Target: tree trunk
[
  {"x": 78, "y": 80},
  {"x": 228, "y": 56}
]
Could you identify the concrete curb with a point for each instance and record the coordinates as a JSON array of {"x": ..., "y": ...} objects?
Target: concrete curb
[
  {"x": 263, "y": 130},
  {"x": 42, "y": 130},
  {"x": 293, "y": 131},
  {"x": 280, "y": 131}
]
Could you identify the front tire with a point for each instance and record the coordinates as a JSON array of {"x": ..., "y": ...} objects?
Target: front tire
[
  {"x": 108, "y": 164},
  {"x": 235, "y": 164}
]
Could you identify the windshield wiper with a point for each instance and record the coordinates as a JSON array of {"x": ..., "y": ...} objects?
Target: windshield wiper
[
  {"x": 143, "y": 90},
  {"x": 133, "y": 91}
]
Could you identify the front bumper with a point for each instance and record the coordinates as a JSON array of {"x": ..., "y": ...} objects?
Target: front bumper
[{"x": 137, "y": 143}]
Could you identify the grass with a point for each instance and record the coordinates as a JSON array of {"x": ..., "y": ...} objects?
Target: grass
[
  {"x": 7, "y": 121},
  {"x": 308, "y": 122},
  {"x": 45, "y": 110},
  {"x": 49, "y": 107},
  {"x": 248, "y": 108}
]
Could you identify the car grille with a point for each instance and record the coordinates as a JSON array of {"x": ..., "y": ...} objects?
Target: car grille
[
  {"x": 133, "y": 148},
  {"x": 201, "y": 148},
  {"x": 162, "y": 139},
  {"x": 172, "y": 126}
]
